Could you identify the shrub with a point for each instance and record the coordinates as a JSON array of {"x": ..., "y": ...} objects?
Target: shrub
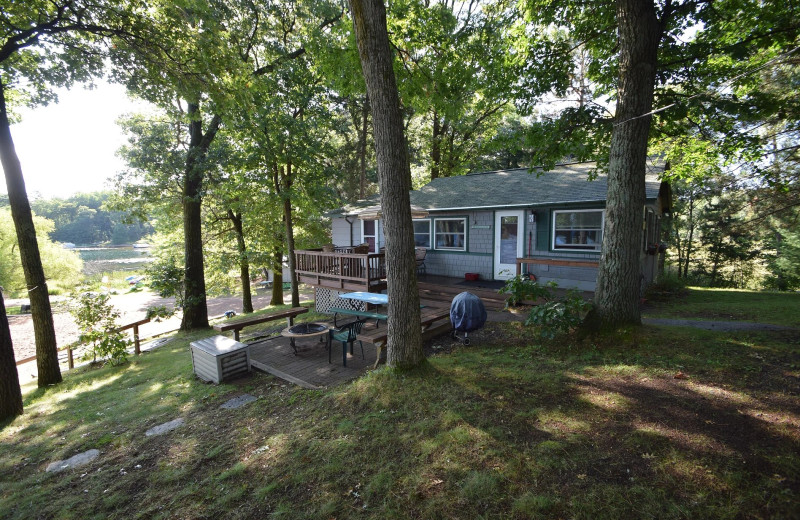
[
  {"x": 521, "y": 288},
  {"x": 559, "y": 316},
  {"x": 159, "y": 312},
  {"x": 97, "y": 320},
  {"x": 167, "y": 279},
  {"x": 667, "y": 284}
]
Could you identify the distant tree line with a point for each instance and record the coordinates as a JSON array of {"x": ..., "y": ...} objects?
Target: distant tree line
[{"x": 83, "y": 219}]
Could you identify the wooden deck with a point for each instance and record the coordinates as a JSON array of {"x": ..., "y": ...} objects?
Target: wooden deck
[
  {"x": 310, "y": 367},
  {"x": 341, "y": 271}
]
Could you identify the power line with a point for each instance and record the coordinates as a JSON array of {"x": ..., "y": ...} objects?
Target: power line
[{"x": 723, "y": 85}]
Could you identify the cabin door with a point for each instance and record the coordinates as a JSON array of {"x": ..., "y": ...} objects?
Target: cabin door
[{"x": 509, "y": 236}]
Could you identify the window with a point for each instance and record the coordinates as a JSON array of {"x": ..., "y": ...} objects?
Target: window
[
  {"x": 369, "y": 234},
  {"x": 422, "y": 233},
  {"x": 652, "y": 225},
  {"x": 578, "y": 230},
  {"x": 451, "y": 233}
]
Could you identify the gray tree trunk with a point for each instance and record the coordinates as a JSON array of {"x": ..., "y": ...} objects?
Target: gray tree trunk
[
  {"x": 690, "y": 238},
  {"x": 436, "y": 147},
  {"x": 277, "y": 277},
  {"x": 287, "y": 211},
  {"x": 244, "y": 262},
  {"x": 195, "y": 308},
  {"x": 362, "y": 149},
  {"x": 10, "y": 392},
  {"x": 41, "y": 313},
  {"x": 404, "y": 335},
  {"x": 282, "y": 179},
  {"x": 618, "y": 279}
]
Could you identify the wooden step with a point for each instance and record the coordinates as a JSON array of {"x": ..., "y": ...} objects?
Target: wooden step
[{"x": 443, "y": 293}]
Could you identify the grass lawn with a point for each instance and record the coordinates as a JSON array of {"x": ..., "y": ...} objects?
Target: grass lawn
[
  {"x": 505, "y": 428},
  {"x": 730, "y": 304}
]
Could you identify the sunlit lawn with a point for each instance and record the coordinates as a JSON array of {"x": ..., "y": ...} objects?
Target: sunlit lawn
[
  {"x": 730, "y": 304},
  {"x": 504, "y": 428}
]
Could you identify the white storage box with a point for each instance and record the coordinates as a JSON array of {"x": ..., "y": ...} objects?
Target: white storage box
[{"x": 219, "y": 359}]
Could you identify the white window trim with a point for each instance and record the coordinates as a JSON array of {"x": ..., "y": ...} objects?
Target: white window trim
[
  {"x": 597, "y": 247},
  {"x": 376, "y": 235},
  {"x": 430, "y": 231},
  {"x": 433, "y": 236}
]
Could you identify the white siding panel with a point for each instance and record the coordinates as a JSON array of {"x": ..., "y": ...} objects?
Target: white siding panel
[{"x": 340, "y": 232}]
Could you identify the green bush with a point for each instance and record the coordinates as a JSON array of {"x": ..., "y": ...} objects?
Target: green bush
[
  {"x": 553, "y": 317},
  {"x": 521, "y": 288},
  {"x": 97, "y": 320},
  {"x": 559, "y": 316},
  {"x": 167, "y": 279},
  {"x": 159, "y": 312},
  {"x": 667, "y": 284}
]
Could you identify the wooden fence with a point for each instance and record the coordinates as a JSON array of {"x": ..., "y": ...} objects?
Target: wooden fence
[{"x": 70, "y": 360}]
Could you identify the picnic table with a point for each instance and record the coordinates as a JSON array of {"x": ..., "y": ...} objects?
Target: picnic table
[
  {"x": 378, "y": 336},
  {"x": 267, "y": 284},
  {"x": 367, "y": 297}
]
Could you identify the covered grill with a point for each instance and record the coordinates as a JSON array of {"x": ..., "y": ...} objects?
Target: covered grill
[{"x": 467, "y": 313}]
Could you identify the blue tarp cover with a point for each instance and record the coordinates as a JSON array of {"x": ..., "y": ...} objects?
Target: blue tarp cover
[{"x": 467, "y": 312}]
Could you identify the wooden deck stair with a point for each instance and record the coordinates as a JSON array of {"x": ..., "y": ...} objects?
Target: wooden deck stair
[{"x": 434, "y": 294}]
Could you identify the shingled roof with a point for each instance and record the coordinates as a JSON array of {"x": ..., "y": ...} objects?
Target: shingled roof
[{"x": 565, "y": 184}]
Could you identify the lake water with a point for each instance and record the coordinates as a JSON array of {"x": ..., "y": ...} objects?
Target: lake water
[{"x": 106, "y": 259}]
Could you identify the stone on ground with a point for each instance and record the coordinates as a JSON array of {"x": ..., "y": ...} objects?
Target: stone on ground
[
  {"x": 164, "y": 428},
  {"x": 237, "y": 402},
  {"x": 73, "y": 462}
]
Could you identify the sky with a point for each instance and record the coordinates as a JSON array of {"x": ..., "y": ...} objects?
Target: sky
[{"x": 71, "y": 146}]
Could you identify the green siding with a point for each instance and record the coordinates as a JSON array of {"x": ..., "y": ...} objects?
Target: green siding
[{"x": 543, "y": 229}]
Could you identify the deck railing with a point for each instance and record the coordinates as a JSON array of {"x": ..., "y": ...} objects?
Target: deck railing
[{"x": 341, "y": 270}]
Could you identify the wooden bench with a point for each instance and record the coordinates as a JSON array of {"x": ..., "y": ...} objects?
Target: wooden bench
[
  {"x": 238, "y": 325},
  {"x": 361, "y": 314},
  {"x": 377, "y": 336},
  {"x": 560, "y": 262}
]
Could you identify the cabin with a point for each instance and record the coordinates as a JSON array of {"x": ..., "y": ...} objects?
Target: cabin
[{"x": 495, "y": 225}]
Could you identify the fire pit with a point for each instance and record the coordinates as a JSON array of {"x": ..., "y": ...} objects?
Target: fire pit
[{"x": 304, "y": 330}]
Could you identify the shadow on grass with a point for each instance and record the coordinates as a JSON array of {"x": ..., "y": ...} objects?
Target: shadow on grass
[{"x": 506, "y": 428}]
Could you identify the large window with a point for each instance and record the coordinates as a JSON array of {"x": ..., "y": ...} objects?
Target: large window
[
  {"x": 422, "y": 233},
  {"x": 578, "y": 230},
  {"x": 451, "y": 233}
]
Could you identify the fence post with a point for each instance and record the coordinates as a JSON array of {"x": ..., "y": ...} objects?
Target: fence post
[
  {"x": 136, "y": 340},
  {"x": 70, "y": 360}
]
